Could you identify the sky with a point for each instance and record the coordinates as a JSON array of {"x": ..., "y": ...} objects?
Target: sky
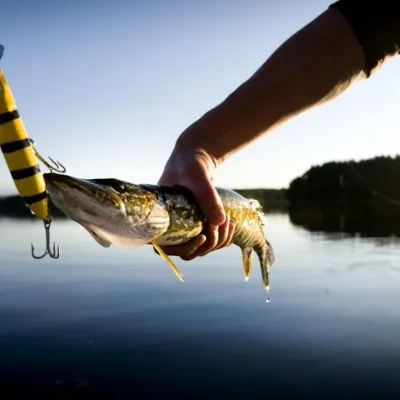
[{"x": 106, "y": 87}]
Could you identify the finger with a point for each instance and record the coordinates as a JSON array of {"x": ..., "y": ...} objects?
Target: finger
[
  {"x": 211, "y": 233},
  {"x": 185, "y": 249},
  {"x": 208, "y": 200},
  {"x": 232, "y": 228},
  {"x": 230, "y": 231},
  {"x": 223, "y": 232}
]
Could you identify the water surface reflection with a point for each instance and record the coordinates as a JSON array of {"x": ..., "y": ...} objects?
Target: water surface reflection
[
  {"x": 106, "y": 322},
  {"x": 352, "y": 223}
]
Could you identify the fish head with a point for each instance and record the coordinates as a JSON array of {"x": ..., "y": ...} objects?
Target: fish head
[
  {"x": 110, "y": 209},
  {"x": 85, "y": 199}
]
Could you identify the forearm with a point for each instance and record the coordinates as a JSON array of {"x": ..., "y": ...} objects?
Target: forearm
[{"x": 316, "y": 64}]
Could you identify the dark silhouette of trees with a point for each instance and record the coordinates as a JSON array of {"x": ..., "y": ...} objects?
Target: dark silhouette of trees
[
  {"x": 368, "y": 186},
  {"x": 373, "y": 182},
  {"x": 272, "y": 200}
]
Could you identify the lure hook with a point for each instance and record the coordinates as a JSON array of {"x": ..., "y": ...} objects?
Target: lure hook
[
  {"x": 52, "y": 253},
  {"x": 56, "y": 167}
]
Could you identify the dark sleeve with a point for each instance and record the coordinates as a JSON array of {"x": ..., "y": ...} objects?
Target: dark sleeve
[{"x": 376, "y": 24}]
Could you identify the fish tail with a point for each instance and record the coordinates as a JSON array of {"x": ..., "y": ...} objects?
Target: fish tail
[
  {"x": 267, "y": 257},
  {"x": 247, "y": 256}
]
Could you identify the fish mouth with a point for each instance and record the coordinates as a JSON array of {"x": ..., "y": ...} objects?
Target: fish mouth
[{"x": 57, "y": 184}]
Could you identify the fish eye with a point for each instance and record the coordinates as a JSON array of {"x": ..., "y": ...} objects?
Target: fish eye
[
  {"x": 100, "y": 196},
  {"x": 119, "y": 187}
]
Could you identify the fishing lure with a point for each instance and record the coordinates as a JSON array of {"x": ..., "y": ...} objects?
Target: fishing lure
[{"x": 20, "y": 156}]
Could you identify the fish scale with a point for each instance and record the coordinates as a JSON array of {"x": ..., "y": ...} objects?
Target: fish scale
[{"x": 129, "y": 215}]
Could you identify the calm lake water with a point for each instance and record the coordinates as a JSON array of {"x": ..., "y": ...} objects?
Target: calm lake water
[{"x": 101, "y": 322}]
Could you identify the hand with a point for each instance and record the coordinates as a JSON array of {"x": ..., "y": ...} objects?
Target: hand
[{"x": 194, "y": 169}]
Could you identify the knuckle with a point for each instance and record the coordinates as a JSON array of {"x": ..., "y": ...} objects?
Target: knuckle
[
  {"x": 224, "y": 232},
  {"x": 213, "y": 242}
]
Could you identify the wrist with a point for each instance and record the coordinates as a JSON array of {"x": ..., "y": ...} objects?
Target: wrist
[{"x": 194, "y": 145}]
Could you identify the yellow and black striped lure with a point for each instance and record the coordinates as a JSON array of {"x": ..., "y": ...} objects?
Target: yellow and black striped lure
[{"x": 20, "y": 156}]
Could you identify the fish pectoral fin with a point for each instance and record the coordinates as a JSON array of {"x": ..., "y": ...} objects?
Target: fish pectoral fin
[
  {"x": 167, "y": 260},
  {"x": 98, "y": 239},
  {"x": 247, "y": 257}
]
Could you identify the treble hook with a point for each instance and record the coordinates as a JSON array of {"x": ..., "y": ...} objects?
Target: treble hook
[
  {"x": 51, "y": 253},
  {"x": 58, "y": 167}
]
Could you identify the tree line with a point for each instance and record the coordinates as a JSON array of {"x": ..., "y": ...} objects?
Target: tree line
[
  {"x": 369, "y": 185},
  {"x": 272, "y": 200}
]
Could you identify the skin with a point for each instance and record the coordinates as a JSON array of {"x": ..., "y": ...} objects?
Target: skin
[{"x": 315, "y": 65}]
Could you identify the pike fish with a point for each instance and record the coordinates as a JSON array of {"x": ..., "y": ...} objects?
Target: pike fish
[{"x": 131, "y": 215}]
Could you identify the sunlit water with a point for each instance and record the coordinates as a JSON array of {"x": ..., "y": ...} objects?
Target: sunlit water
[{"x": 113, "y": 321}]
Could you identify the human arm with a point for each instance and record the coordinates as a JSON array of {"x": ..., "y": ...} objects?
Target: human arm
[{"x": 315, "y": 65}]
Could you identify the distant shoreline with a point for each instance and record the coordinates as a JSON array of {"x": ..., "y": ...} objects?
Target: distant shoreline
[
  {"x": 368, "y": 186},
  {"x": 270, "y": 199}
]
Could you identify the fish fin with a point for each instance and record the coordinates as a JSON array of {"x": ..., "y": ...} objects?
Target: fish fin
[
  {"x": 98, "y": 239},
  {"x": 168, "y": 260},
  {"x": 247, "y": 257},
  {"x": 266, "y": 256}
]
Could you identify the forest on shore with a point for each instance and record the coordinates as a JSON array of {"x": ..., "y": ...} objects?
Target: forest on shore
[
  {"x": 370, "y": 184},
  {"x": 363, "y": 187}
]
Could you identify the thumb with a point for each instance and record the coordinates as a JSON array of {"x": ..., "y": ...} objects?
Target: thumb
[{"x": 208, "y": 199}]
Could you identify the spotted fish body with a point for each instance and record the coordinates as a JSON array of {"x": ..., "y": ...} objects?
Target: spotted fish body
[{"x": 131, "y": 215}]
